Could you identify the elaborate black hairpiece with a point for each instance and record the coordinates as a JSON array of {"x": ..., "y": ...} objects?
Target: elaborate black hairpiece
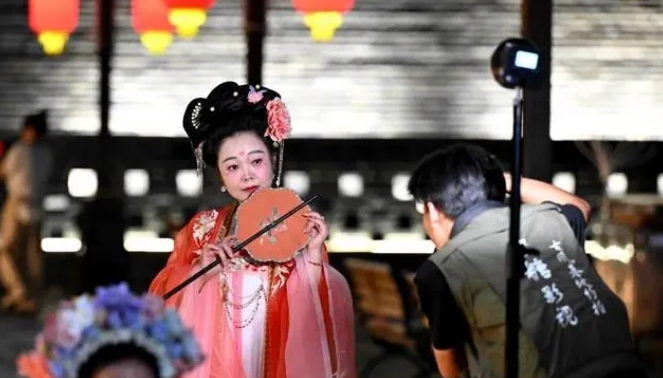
[{"x": 204, "y": 116}]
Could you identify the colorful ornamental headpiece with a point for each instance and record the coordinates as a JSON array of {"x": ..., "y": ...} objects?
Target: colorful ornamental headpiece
[
  {"x": 84, "y": 325},
  {"x": 204, "y": 117}
]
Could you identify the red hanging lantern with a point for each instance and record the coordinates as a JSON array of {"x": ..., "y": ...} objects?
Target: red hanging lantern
[
  {"x": 150, "y": 21},
  {"x": 323, "y": 17},
  {"x": 53, "y": 22},
  {"x": 188, "y": 15}
]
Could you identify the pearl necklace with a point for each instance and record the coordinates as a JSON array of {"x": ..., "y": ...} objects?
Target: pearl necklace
[{"x": 244, "y": 302}]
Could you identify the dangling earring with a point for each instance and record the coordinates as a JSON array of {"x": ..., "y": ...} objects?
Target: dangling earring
[
  {"x": 279, "y": 167},
  {"x": 223, "y": 189}
]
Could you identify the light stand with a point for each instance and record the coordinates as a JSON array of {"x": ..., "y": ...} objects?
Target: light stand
[
  {"x": 515, "y": 64},
  {"x": 516, "y": 254}
]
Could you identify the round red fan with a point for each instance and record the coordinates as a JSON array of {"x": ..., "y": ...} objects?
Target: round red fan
[{"x": 263, "y": 207}]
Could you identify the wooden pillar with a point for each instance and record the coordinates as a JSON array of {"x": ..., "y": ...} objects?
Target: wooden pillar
[
  {"x": 106, "y": 13},
  {"x": 102, "y": 221},
  {"x": 536, "y": 24},
  {"x": 255, "y": 26}
]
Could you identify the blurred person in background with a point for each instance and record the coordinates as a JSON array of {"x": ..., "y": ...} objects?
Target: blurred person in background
[
  {"x": 277, "y": 320},
  {"x": 26, "y": 170},
  {"x": 114, "y": 334},
  {"x": 573, "y": 326}
]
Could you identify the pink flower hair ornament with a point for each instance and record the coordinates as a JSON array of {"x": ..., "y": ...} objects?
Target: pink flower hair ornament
[
  {"x": 255, "y": 96},
  {"x": 85, "y": 324},
  {"x": 278, "y": 121},
  {"x": 33, "y": 365},
  {"x": 278, "y": 116}
]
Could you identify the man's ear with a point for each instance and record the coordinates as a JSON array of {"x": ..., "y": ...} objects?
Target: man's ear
[{"x": 432, "y": 213}]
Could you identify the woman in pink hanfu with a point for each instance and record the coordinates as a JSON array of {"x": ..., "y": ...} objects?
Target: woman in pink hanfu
[{"x": 289, "y": 320}]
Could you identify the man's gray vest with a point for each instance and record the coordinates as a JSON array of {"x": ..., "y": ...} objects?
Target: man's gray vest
[{"x": 573, "y": 326}]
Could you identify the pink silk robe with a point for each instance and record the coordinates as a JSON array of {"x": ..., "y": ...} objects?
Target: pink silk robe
[{"x": 291, "y": 320}]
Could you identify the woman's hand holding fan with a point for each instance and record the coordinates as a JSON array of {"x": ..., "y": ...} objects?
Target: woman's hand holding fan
[{"x": 317, "y": 229}]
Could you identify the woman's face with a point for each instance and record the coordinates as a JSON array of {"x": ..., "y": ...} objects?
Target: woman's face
[
  {"x": 126, "y": 369},
  {"x": 245, "y": 165}
]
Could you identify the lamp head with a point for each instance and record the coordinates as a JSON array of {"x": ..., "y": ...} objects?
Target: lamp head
[{"x": 516, "y": 62}]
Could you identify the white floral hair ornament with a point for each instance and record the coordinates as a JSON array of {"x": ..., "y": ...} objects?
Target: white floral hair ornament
[{"x": 84, "y": 325}]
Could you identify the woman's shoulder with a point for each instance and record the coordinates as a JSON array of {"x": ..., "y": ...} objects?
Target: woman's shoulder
[
  {"x": 210, "y": 215},
  {"x": 204, "y": 221}
]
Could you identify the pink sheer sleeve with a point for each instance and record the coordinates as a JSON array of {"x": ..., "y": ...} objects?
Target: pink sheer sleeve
[
  {"x": 201, "y": 310},
  {"x": 178, "y": 268},
  {"x": 199, "y": 304},
  {"x": 324, "y": 343}
]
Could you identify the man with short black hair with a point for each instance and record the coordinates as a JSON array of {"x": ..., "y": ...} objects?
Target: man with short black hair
[{"x": 573, "y": 326}]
